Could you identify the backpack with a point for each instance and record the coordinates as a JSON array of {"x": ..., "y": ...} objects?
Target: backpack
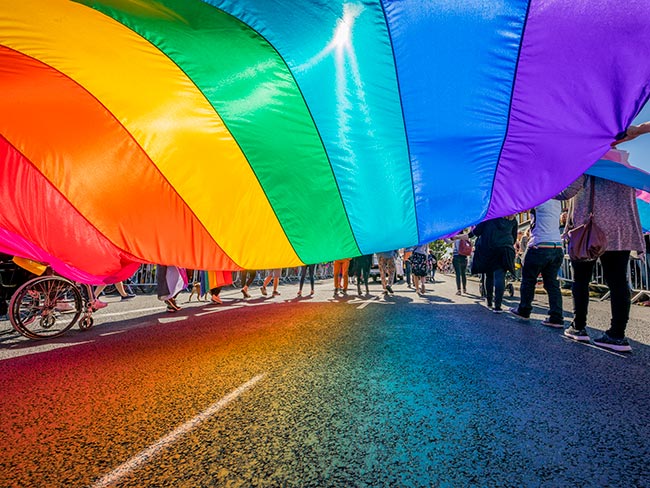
[{"x": 464, "y": 247}]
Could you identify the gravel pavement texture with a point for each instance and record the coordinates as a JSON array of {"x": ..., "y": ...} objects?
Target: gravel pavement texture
[{"x": 378, "y": 391}]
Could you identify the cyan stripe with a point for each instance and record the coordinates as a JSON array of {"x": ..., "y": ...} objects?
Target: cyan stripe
[{"x": 342, "y": 60}]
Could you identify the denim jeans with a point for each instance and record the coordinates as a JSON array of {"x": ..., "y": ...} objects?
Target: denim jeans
[
  {"x": 615, "y": 274},
  {"x": 495, "y": 285},
  {"x": 460, "y": 268},
  {"x": 548, "y": 263}
]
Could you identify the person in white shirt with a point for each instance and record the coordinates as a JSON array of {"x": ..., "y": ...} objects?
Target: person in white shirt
[{"x": 544, "y": 255}]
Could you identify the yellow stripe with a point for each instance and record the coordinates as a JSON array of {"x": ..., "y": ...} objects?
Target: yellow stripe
[{"x": 164, "y": 112}]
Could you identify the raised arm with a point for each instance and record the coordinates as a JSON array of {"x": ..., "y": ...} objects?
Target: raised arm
[
  {"x": 572, "y": 190},
  {"x": 632, "y": 132}
]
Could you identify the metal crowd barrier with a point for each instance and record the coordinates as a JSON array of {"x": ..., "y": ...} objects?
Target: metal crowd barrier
[
  {"x": 144, "y": 279},
  {"x": 638, "y": 274}
]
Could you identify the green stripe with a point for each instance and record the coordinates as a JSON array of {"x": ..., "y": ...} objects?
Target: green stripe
[{"x": 255, "y": 94}]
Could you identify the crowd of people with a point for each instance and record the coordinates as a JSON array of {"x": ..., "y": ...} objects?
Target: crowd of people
[{"x": 493, "y": 248}]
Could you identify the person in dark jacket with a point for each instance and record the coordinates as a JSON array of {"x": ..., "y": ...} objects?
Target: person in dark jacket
[{"x": 495, "y": 255}]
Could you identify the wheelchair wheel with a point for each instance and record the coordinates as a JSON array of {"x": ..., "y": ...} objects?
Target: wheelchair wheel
[{"x": 45, "y": 307}]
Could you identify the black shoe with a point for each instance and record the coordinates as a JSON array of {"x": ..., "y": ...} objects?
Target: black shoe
[
  {"x": 518, "y": 314},
  {"x": 390, "y": 290},
  {"x": 553, "y": 323},
  {"x": 579, "y": 335},
  {"x": 608, "y": 342},
  {"x": 128, "y": 297},
  {"x": 497, "y": 310}
]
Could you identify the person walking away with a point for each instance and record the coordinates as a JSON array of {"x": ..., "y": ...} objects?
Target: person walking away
[
  {"x": 171, "y": 280},
  {"x": 217, "y": 280},
  {"x": 407, "y": 266},
  {"x": 341, "y": 267},
  {"x": 496, "y": 256},
  {"x": 247, "y": 278},
  {"x": 615, "y": 212},
  {"x": 419, "y": 267},
  {"x": 303, "y": 273},
  {"x": 432, "y": 263},
  {"x": 360, "y": 267},
  {"x": 544, "y": 255},
  {"x": 462, "y": 249},
  {"x": 274, "y": 274},
  {"x": 387, "y": 270}
]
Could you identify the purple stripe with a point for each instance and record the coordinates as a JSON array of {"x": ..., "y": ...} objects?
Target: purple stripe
[
  {"x": 16, "y": 245},
  {"x": 583, "y": 75}
]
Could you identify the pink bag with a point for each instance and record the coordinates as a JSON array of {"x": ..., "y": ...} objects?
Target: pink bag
[{"x": 587, "y": 242}]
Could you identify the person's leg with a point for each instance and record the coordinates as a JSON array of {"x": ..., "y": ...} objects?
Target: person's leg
[
  {"x": 615, "y": 274},
  {"x": 337, "y": 276},
  {"x": 390, "y": 272},
  {"x": 345, "y": 266},
  {"x": 489, "y": 288},
  {"x": 499, "y": 287},
  {"x": 119, "y": 286},
  {"x": 312, "y": 270},
  {"x": 582, "y": 271},
  {"x": 95, "y": 300},
  {"x": 463, "y": 272},
  {"x": 303, "y": 273},
  {"x": 554, "y": 258},
  {"x": 407, "y": 270},
  {"x": 456, "y": 262},
  {"x": 529, "y": 273},
  {"x": 266, "y": 281},
  {"x": 358, "y": 275},
  {"x": 276, "y": 273},
  {"x": 215, "y": 294},
  {"x": 247, "y": 278},
  {"x": 382, "y": 272},
  {"x": 366, "y": 276}
]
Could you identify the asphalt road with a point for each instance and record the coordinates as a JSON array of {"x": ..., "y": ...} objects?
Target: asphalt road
[{"x": 397, "y": 391}]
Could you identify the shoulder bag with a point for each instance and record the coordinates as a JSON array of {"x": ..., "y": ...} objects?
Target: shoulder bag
[{"x": 587, "y": 242}]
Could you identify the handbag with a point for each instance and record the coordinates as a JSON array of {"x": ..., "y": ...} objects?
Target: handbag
[{"x": 587, "y": 242}]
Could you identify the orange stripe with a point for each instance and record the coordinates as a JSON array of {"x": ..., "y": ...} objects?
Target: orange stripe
[
  {"x": 165, "y": 113},
  {"x": 61, "y": 231},
  {"x": 95, "y": 163}
]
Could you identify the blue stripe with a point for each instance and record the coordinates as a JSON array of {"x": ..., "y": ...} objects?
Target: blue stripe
[{"x": 456, "y": 63}]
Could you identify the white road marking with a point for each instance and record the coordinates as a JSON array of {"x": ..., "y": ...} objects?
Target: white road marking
[
  {"x": 129, "y": 312},
  {"x": 112, "y": 333},
  {"x": 153, "y": 450},
  {"x": 213, "y": 310},
  {"x": 365, "y": 304},
  {"x": 15, "y": 353},
  {"x": 169, "y": 320}
]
